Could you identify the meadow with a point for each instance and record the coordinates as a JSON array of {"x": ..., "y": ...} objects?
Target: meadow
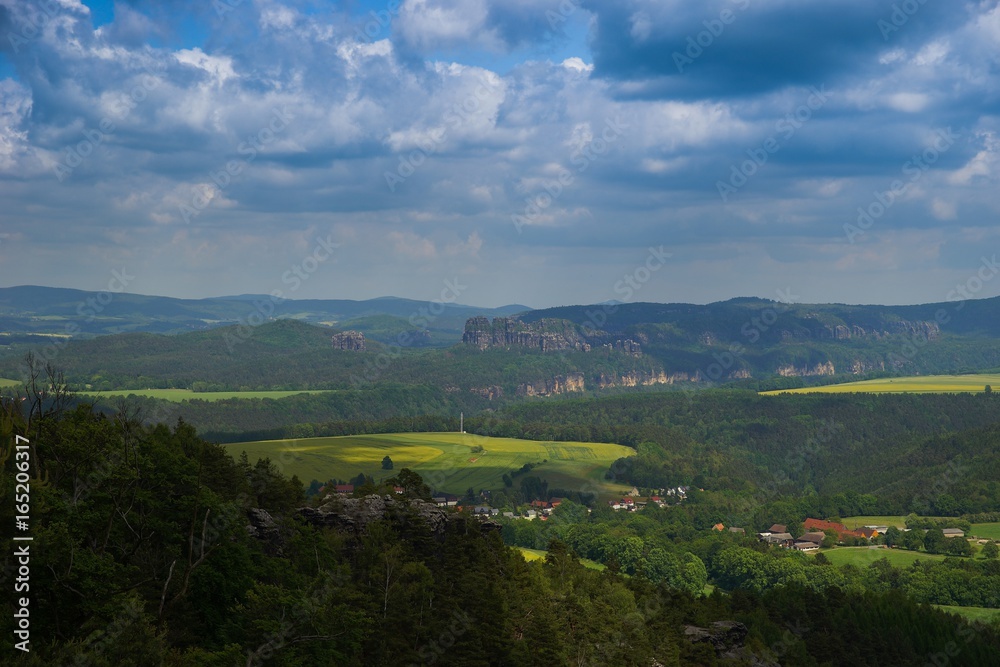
[
  {"x": 986, "y": 531},
  {"x": 449, "y": 462},
  {"x": 539, "y": 554},
  {"x": 865, "y": 556},
  {"x": 981, "y": 614},
  {"x": 6, "y": 382},
  {"x": 179, "y": 395},
  {"x": 927, "y": 384}
]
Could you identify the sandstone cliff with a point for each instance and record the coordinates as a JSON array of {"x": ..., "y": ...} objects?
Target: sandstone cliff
[
  {"x": 355, "y": 514},
  {"x": 561, "y": 384},
  {"x": 788, "y": 370},
  {"x": 507, "y": 332},
  {"x": 353, "y": 341}
]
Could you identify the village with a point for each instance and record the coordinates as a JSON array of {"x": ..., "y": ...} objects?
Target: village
[{"x": 819, "y": 533}]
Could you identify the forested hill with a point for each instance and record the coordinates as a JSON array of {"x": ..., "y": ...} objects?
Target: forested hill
[
  {"x": 726, "y": 318},
  {"x": 26, "y": 310},
  {"x": 755, "y": 338},
  {"x": 556, "y": 351},
  {"x": 153, "y": 547}
]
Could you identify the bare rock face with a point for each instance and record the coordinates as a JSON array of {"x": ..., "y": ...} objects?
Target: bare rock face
[
  {"x": 788, "y": 370},
  {"x": 353, "y": 341},
  {"x": 354, "y": 514},
  {"x": 917, "y": 329},
  {"x": 490, "y": 393},
  {"x": 560, "y": 384},
  {"x": 507, "y": 332},
  {"x": 727, "y": 638},
  {"x": 263, "y": 527}
]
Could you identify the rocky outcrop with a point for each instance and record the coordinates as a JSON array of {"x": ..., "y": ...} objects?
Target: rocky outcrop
[
  {"x": 628, "y": 346},
  {"x": 263, "y": 527},
  {"x": 489, "y": 393},
  {"x": 507, "y": 332},
  {"x": 728, "y": 638},
  {"x": 860, "y": 367},
  {"x": 919, "y": 329},
  {"x": 354, "y": 514},
  {"x": 561, "y": 384},
  {"x": 353, "y": 341},
  {"x": 645, "y": 379},
  {"x": 789, "y": 371}
]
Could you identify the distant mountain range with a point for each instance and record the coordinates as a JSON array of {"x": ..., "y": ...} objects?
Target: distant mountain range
[
  {"x": 250, "y": 341},
  {"x": 28, "y": 310}
]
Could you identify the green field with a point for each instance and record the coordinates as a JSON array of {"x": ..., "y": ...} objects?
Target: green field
[
  {"x": 897, "y": 521},
  {"x": 986, "y": 531},
  {"x": 928, "y": 384},
  {"x": 981, "y": 614},
  {"x": 854, "y": 522},
  {"x": 178, "y": 395},
  {"x": 863, "y": 556},
  {"x": 5, "y": 382},
  {"x": 539, "y": 554},
  {"x": 446, "y": 460}
]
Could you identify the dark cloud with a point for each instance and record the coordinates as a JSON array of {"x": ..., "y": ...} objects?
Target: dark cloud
[
  {"x": 738, "y": 48},
  {"x": 426, "y": 147}
]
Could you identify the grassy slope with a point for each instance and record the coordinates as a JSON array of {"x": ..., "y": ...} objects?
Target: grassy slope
[
  {"x": 986, "y": 531},
  {"x": 930, "y": 384},
  {"x": 981, "y": 614},
  {"x": 445, "y": 460},
  {"x": 6, "y": 382},
  {"x": 178, "y": 395},
  {"x": 863, "y": 556},
  {"x": 539, "y": 554}
]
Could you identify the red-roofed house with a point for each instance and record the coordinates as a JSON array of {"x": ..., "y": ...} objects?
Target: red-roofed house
[
  {"x": 344, "y": 488},
  {"x": 841, "y": 530}
]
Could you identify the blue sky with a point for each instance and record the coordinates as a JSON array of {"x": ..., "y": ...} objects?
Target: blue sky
[{"x": 529, "y": 151}]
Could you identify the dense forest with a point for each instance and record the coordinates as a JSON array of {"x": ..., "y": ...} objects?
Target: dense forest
[{"x": 153, "y": 546}]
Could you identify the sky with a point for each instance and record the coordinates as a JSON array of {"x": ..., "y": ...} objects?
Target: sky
[{"x": 538, "y": 152}]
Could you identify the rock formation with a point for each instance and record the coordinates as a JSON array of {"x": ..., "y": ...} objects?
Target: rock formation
[
  {"x": 560, "y": 384},
  {"x": 788, "y": 370},
  {"x": 507, "y": 332},
  {"x": 355, "y": 514},
  {"x": 353, "y": 341},
  {"x": 728, "y": 639}
]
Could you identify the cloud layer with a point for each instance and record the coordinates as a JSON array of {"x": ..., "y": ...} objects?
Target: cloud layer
[{"x": 535, "y": 149}]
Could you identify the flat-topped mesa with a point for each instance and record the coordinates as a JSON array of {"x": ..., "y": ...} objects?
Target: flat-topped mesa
[
  {"x": 922, "y": 329},
  {"x": 547, "y": 335},
  {"x": 353, "y": 341}
]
